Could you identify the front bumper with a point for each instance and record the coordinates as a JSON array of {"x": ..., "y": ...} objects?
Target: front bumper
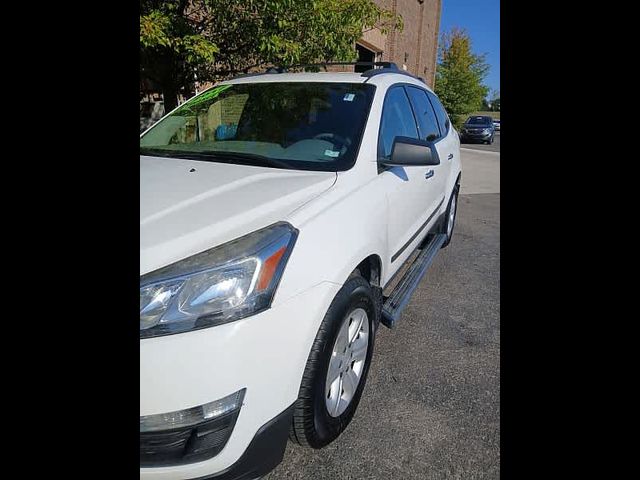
[
  {"x": 265, "y": 353},
  {"x": 263, "y": 454},
  {"x": 476, "y": 136}
]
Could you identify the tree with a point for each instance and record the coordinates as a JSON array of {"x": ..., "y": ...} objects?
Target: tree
[
  {"x": 215, "y": 39},
  {"x": 459, "y": 74},
  {"x": 171, "y": 46},
  {"x": 494, "y": 100}
]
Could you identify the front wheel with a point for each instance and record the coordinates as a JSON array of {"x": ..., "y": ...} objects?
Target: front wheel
[{"x": 337, "y": 367}]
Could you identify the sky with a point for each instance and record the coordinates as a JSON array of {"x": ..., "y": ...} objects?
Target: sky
[{"x": 481, "y": 20}]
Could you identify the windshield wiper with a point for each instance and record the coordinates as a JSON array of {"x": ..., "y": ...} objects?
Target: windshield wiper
[
  {"x": 251, "y": 159},
  {"x": 247, "y": 159},
  {"x": 161, "y": 152}
]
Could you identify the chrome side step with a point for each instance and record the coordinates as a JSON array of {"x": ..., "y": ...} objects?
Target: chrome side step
[{"x": 395, "y": 303}]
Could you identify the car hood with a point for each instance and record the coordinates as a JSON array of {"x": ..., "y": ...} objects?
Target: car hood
[
  {"x": 477, "y": 126},
  {"x": 188, "y": 206}
]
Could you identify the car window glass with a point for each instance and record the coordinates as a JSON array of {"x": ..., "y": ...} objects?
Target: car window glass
[
  {"x": 397, "y": 121},
  {"x": 294, "y": 125},
  {"x": 441, "y": 115},
  {"x": 427, "y": 123},
  {"x": 479, "y": 121}
]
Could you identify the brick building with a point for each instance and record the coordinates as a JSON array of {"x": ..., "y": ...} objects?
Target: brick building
[{"x": 415, "y": 48}]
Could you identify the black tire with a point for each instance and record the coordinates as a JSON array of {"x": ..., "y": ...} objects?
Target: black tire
[
  {"x": 446, "y": 217},
  {"x": 312, "y": 426}
]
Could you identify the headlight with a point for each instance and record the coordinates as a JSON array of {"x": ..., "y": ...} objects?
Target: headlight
[
  {"x": 217, "y": 286},
  {"x": 486, "y": 131}
]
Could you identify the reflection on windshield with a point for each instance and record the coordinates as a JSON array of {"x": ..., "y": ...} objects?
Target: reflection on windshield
[
  {"x": 312, "y": 126},
  {"x": 479, "y": 121}
]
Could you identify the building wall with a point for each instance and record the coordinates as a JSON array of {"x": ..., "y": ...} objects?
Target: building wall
[{"x": 416, "y": 47}]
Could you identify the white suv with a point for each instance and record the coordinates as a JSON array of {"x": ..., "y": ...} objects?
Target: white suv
[{"x": 274, "y": 210}]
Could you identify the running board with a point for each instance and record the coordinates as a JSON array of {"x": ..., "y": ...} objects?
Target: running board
[{"x": 395, "y": 303}]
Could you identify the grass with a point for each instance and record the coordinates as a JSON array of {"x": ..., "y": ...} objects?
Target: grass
[{"x": 490, "y": 114}]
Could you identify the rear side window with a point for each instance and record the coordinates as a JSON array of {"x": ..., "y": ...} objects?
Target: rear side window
[
  {"x": 426, "y": 117},
  {"x": 397, "y": 121},
  {"x": 441, "y": 115}
]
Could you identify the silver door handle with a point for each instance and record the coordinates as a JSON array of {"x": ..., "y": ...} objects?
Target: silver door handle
[
  {"x": 429, "y": 174},
  {"x": 450, "y": 156}
]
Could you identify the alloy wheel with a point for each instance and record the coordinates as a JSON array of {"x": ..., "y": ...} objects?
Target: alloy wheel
[{"x": 347, "y": 362}]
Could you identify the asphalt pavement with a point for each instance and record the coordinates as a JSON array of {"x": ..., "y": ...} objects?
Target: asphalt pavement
[{"x": 431, "y": 405}]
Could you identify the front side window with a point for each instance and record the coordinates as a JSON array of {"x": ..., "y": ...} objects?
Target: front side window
[
  {"x": 397, "y": 121},
  {"x": 295, "y": 125}
]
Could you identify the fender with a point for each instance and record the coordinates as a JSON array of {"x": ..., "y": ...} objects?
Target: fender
[{"x": 338, "y": 230}]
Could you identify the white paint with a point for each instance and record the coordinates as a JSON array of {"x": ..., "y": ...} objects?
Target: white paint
[
  {"x": 342, "y": 219},
  {"x": 183, "y": 212}
]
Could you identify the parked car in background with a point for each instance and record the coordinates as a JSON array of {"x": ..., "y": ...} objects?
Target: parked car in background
[
  {"x": 478, "y": 129},
  {"x": 150, "y": 113},
  {"x": 274, "y": 210},
  {"x": 496, "y": 124}
]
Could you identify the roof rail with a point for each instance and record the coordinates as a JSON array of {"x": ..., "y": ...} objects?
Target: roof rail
[
  {"x": 268, "y": 71},
  {"x": 386, "y": 67},
  {"x": 285, "y": 68},
  {"x": 380, "y": 71},
  {"x": 245, "y": 75},
  {"x": 328, "y": 64}
]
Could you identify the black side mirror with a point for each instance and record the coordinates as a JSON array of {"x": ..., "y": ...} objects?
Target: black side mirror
[{"x": 412, "y": 152}]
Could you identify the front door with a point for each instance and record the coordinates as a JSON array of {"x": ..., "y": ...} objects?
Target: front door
[
  {"x": 426, "y": 117},
  {"x": 412, "y": 192}
]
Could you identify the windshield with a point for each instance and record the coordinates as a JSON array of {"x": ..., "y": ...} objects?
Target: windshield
[
  {"x": 478, "y": 121},
  {"x": 304, "y": 126}
]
